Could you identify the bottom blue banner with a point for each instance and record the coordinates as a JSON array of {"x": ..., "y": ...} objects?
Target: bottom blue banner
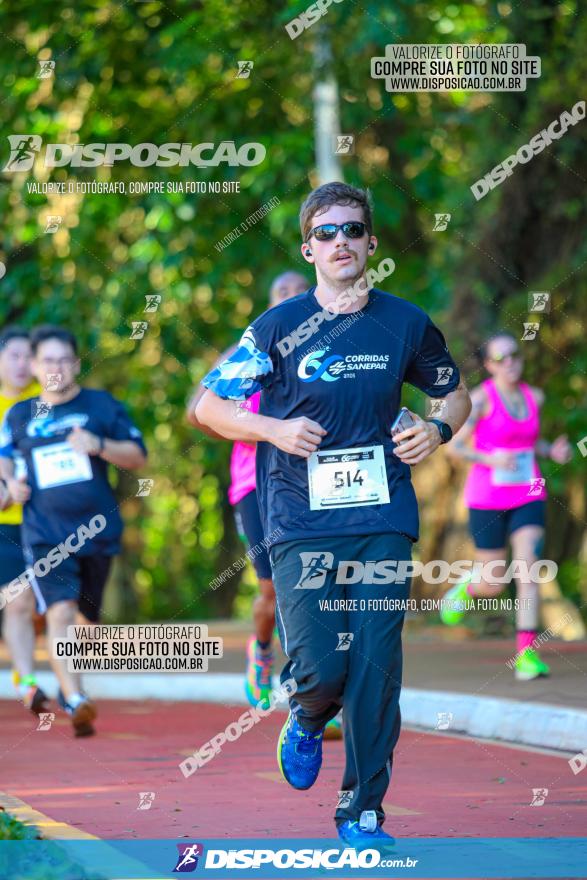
[{"x": 515, "y": 857}]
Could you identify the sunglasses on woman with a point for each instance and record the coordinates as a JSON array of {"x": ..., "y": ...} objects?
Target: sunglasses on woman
[
  {"x": 328, "y": 231},
  {"x": 500, "y": 358}
]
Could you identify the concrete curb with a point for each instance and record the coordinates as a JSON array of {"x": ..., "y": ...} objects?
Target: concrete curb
[{"x": 533, "y": 724}]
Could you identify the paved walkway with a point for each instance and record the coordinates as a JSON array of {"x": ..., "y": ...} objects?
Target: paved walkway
[{"x": 438, "y": 659}]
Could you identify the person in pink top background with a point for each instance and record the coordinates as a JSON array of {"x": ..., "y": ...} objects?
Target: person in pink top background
[
  {"x": 505, "y": 492},
  {"x": 242, "y": 495}
]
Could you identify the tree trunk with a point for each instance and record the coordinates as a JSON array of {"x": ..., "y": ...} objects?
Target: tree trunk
[{"x": 326, "y": 115}]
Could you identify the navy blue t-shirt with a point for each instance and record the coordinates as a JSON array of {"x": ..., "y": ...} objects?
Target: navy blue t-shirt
[
  {"x": 57, "y": 510},
  {"x": 348, "y": 377}
]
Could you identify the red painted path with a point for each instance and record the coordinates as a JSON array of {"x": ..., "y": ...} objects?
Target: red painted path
[{"x": 442, "y": 785}]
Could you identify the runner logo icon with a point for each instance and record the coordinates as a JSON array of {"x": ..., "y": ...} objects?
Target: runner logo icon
[
  {"x": 344, "y": 641},
  {"x": 334, "y": 363},
  {"x": 22, "y": 151},
  {"x": 146, "y": 799},
  {"x": 46, "y": 719},
  {"x": 187, "y": 861},
  {"x": 539, "y": 795},
  {"x": 444, "y": 375},
  {"x": 537, "y": 485},
  {"x": 315, "y": 567}
]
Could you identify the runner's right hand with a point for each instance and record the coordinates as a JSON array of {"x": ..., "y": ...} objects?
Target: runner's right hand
[
  {"x": 297, "y": 436},
  {"x": 19, "y": 490},
  {"x": 505, "y": 460}
]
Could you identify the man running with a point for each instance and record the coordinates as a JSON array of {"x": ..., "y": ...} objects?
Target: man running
[
  {"x": 504, "y": 492},
  {"x": 333, "y": 482},
  {"x": 242, "y": 494},
  {"x": 72, "y": 527},
  {"x": 17, "y": 383}
]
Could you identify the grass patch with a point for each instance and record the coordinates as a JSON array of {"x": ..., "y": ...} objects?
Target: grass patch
[
  {"x": 13, "y": 829},
  {"x": 50, "y": 863}
]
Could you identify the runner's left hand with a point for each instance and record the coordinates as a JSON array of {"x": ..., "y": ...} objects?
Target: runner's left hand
[
  {"x": 5, "y": 499},
  {"x": 560, "y": 450},
  {"x": 418, "y": 442},
  {"x": 84, "y": 441}
]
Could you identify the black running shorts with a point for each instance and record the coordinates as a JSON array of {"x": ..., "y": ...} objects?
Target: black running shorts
[
  {"x": 490, "y": 529},
  {"x": 79, "y": 579}
]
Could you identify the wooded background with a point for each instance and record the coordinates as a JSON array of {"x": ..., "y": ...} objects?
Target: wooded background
[{"x": 156, "y": 72}]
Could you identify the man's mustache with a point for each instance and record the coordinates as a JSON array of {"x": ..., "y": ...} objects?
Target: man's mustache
[{"x": 344, "y": 253}]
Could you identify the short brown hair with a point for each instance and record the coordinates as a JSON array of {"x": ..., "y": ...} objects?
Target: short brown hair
[{"x": 330, "y": 194}]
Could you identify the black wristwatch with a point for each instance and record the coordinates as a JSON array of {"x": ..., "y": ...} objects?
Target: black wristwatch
[
  {"x": 444, "y": 430},
  {"x": 102, "y": 444}
]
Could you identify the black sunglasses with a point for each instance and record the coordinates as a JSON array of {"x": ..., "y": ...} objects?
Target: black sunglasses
[{"x": 328, "y": 231}]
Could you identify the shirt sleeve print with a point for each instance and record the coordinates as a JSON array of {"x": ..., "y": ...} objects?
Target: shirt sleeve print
[
  {"x": 432, "y": 368},
  {"x": 248, "y": 370}
]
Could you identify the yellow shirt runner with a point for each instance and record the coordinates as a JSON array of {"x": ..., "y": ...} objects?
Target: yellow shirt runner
[{"x": 12, "y": 516}]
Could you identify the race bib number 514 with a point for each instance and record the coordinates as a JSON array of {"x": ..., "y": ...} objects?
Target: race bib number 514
[{"x": 347, "y": 478}]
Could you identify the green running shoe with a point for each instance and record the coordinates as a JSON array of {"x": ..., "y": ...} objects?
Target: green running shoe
[
  {"x": 454, "y": 610},
  {"x": 258, "y": 673},
  {"x": 29, "y": 692},
  {"x": 529, "y": 666},
  {"x": 333, "y": 729}
]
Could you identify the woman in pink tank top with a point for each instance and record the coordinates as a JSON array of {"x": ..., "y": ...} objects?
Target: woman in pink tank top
[{"x": 505, "y": 494}]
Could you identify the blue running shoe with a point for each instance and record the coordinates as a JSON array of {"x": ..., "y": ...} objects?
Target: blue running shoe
[
  {"x": 299, "y": 754},
  {"x": 366, "y": 833}
]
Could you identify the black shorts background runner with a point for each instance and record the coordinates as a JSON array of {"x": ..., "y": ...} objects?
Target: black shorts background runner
[
  {"x": 248, "y": 522},
  {"x": 490, "y": 529},
  {"x": 79, "y": 579},
  {"x": 12, "y": 562}
]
